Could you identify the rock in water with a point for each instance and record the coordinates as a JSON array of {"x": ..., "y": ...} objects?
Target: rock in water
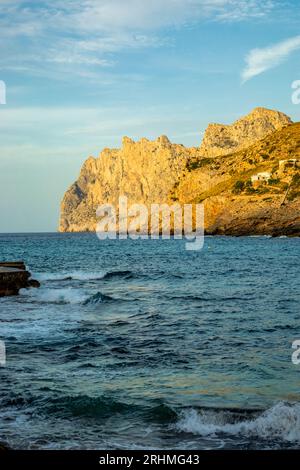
[{"x": 13, "y": 277}]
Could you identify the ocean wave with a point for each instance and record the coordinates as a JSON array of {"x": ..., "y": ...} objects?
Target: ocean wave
[
  {"x": 119, "y": 274},
  {"x": 84, "y": 405},
  {"x": 80, "y": 405},
  {"x": 282, "y": 421},
  {"x": 98, "y": 298},
  {"x": 64, "y": 296},
  {"x": 101, "y": 406},
  {"x": 68, "y": 276},
  {"x": 101, "y": 275},
  {"x": 82, "y": 275}
]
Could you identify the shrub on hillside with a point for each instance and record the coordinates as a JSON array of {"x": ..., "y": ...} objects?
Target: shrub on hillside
[{"x": 238, "y": 187}]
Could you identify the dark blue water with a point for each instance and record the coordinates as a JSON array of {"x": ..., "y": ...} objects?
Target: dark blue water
[{"x": 142, "y": 344}]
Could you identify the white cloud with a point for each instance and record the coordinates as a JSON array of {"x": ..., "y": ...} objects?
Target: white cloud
[
  {"x": 261, "y": 60},
  {"x": 79, "y": 33},
  {"x": 98, "y": 16},
  {"x": 62, "y": 58}
]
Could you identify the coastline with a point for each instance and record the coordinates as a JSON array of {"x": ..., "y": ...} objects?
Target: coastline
[{"x": 217, "y": 233}]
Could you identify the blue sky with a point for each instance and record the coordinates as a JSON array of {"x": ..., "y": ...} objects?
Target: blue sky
[{"x": 81, "y": 74}]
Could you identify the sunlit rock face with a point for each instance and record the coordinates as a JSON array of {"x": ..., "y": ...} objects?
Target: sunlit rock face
[
  {"x": 162, "y": 172},
  {"x": 220, "y": 139}
]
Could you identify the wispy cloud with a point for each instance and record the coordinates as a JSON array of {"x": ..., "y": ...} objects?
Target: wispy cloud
[
  {"x": 52, "y": 127},
  {"x": 81, "y": 33},
  {"x": 244, "y": 9},
  {"x": 261, "y": 60}
]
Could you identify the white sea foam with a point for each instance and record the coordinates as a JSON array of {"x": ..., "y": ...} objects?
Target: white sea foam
[
  {"x": 282, "y": 421},
  {"x": 75, "y": 275},
  {"x": 68, "y": 295}
]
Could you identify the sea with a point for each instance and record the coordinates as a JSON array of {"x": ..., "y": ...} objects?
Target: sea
[{"x": 141, "y": 344}]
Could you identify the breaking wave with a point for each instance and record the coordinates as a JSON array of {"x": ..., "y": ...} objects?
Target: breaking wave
[
  {"x": 64, "y": 296},
  {"x": 82, "y": 275},
  {"x": 97, "y": 298},
  {"x": 282, "y": 421},
  {"x": 75, "y": 275}
]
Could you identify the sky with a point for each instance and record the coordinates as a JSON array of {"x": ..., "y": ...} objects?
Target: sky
[{"x": 76, "y": 76}]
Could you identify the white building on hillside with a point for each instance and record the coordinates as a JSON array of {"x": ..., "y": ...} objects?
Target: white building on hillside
[{"x": 261, "y": 177}]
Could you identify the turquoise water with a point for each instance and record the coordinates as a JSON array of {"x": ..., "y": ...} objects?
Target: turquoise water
[{"x": 142, "y": 344}]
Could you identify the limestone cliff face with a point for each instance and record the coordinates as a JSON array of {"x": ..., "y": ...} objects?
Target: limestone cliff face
[
  {"x": 220, "y": 139},
  {"x": 143, "y": 171},
  {"x": 157, "y": 172}
]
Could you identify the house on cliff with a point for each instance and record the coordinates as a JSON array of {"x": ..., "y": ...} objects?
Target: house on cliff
[{"x": 259, "y": 178}]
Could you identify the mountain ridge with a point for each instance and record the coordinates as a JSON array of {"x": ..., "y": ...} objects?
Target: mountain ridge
[
  {"x": 221, "y": 139},
  {"x": 162, "y": 172}
]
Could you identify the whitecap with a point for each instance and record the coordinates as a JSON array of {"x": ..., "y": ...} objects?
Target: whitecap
[
  {"x": 282, "y": 421},
  {"x": 73, "y": 275},
  {"x": 67, "y": 296}
]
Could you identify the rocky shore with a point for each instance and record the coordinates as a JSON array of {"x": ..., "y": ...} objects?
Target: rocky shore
[{"x": 13, "y": 277}]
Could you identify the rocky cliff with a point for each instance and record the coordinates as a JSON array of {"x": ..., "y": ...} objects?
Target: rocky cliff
[
  {"x": 143, "y": 171},
  {"x": 218, "y": 173},
  {"x": 220, "y": 139}
]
